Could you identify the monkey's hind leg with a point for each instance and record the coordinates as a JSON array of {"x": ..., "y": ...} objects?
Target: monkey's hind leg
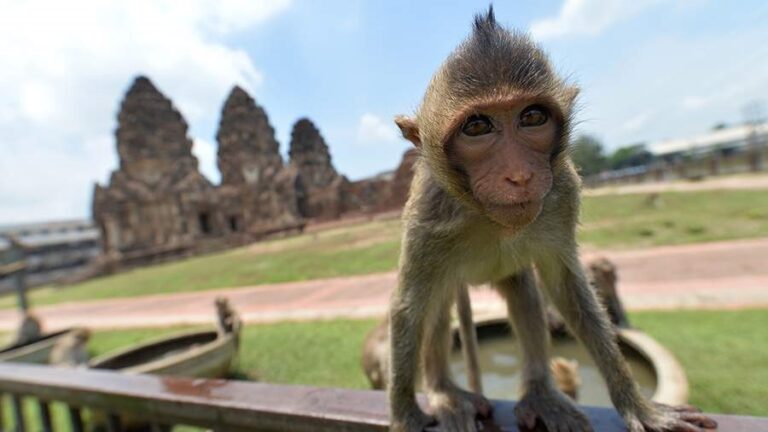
[
  {"x": 540, "y": 397},
  {"x": 456, "y": 409}
]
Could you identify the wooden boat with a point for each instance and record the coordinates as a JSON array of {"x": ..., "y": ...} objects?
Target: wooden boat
[
  {"x": 200, "y": 354},
  {"x": 38, "y": 351}
]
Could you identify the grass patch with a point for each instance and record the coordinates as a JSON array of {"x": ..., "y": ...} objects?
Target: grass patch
[
  {"x": 723, "y": 352},
  {"x": 627, "y": 221},
  {"x": 609, "y": 221},
  {"x": 359, "y": 249},
  {"x": 322, "y": 353}
]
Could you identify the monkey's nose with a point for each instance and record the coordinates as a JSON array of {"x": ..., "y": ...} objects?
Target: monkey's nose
[{"x": 520, "y": 178}]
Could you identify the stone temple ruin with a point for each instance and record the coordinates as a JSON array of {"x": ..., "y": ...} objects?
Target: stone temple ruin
[
  {"x": 320, "y": 190},
  {"x": 257, "y": 194},
  {"x": 157, "y": 204}
]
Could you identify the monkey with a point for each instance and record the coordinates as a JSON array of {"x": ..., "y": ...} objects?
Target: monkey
[
  {"x": 29, "y": 330},
  {"x": 566, "y": 375},
  {"x": 603, "y": 275},
  {"x": 375, "y": 358},
  {"x": 72, "y": 349},
  {"x": 227, "y": 320},
  {"x": 494, "y": 198},
  {"x": 652, "y": 200}
]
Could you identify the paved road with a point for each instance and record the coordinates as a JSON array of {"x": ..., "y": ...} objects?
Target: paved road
[{"x": 716, "y": 275}]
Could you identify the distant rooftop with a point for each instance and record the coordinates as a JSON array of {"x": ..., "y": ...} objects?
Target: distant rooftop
[
  {"x": 734, "y": 136},
  {"x": 44, "y": 233}
]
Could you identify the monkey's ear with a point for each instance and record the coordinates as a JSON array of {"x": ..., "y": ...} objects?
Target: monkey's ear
[
  {"x": 409, "y": 129},
  {"x": 569, "y": 95}
]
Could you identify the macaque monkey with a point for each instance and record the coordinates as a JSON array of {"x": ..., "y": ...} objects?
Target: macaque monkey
[
  {"x": 28, "y": 331},
  {"x": 602, "y": 272},
  {"x": 494, "y": 197},
  {"x": 72, "y": 349},
  {"x": 652, "y": 200},
  {"x": 566, "y": 375},
  {"x": 227, "y": 320},
  {"x": 375, "y": 358}
]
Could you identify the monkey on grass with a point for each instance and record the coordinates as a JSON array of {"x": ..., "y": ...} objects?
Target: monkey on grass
[
  {"x": 29, "y": 330},
  {"x": 72, "y": 349},
  {"x": 494, "y": 198}
]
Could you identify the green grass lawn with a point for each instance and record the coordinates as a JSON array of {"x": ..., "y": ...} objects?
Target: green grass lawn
[
  {"x": 625, "y": 221},
  {"x": 610, "y": 221},
  {"x": 723, "y": 352}
]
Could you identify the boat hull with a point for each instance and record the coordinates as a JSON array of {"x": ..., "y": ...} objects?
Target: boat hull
[
  {"x": 37, "y": 352},
  {"x": 198, "y": 354}
]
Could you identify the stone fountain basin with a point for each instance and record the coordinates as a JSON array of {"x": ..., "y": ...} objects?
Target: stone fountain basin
[{"x": 658, "y": 373}]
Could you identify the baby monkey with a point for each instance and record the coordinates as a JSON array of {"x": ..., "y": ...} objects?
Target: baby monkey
[{"x": 494, "y": 197}]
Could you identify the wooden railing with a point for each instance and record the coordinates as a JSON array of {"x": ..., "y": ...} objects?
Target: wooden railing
[{"x": 222, "y": 405}]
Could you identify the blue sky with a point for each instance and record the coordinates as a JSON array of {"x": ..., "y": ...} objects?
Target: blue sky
[{"x": 648, "y": 70}]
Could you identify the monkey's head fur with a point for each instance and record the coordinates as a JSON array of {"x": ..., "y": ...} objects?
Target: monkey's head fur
[{"x": 494, "y": 123}]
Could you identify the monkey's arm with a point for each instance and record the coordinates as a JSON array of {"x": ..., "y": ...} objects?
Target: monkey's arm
[
  {"x": 564, "y": 279},
  {"x": 409, "y": 304}
]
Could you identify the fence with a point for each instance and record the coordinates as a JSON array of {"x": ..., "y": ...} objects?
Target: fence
[{"x": 234, "y": 406}]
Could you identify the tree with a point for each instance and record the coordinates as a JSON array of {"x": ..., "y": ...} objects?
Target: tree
[
  {"x": 630, "y": 156},
  {"x": 588, "y": 155}
]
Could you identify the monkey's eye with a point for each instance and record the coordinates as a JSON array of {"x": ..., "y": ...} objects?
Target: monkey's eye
[
  {"x": 534, "y": 115},
  {"x": 476, "y": 125}
]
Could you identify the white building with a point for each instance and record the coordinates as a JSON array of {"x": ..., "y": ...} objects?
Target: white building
[{"x": 53, "y": 249}]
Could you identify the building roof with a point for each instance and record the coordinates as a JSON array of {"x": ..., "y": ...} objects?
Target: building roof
[
  {"x": 47, "y": 233},
  {"x": 735, "y": 136}
]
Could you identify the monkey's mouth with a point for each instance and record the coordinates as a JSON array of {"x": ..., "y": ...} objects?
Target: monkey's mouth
[
  {"x": 512, "y": 204},
  {"x": 514, "y": 214}
]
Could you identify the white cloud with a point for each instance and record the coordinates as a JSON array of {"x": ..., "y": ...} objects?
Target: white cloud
[
  {"x": 696, "y": 102},
  {"x": 372, "y": 129},
  {"x": 687, "y": 84},
  {"x": 636, "y": 122},
  {"x": 587, "y": 17},
  {"x": 67, "y": 64}
]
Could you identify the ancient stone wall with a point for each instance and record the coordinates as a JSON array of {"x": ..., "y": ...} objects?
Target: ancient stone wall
[{"x": 385, "y": 192}]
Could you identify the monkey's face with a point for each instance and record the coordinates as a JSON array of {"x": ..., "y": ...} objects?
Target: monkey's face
[{"x": 505, "y": 154}]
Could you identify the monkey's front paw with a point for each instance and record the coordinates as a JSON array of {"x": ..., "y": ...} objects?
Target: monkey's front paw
[
  {"x": 414, "y": 421},
  {"x": 553, "y": 409},
  {"x": 458, "y": 410},
  {"x": 664, "y": 418}
]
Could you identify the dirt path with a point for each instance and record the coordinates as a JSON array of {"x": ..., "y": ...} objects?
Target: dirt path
[
  {"x": 730, "y": 274},
  {"x": 739, "y": 181}
]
